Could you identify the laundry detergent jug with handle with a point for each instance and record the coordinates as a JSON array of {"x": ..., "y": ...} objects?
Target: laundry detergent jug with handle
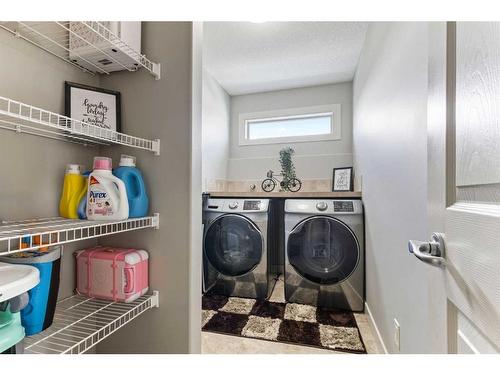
[
  {"x": 106, "y": 195},
  {"x": 82, "y": 206},
  {"x": 138, "y": 201},
  {"x": 74, "y": 189}
]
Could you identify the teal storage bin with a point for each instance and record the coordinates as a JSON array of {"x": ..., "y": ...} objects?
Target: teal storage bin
[
  {"x": 15, "y": 282},
  {"x": 11, "y": 332}
]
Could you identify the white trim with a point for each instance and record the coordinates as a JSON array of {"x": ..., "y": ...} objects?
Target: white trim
[
  {"x": 195, "y": 200},
  {"x": 476, "y": 208},
  {"x": 294, "y": 156},
  {"x": 335, "y": 131},
  {"x": 374, "y": 327},
  {"x": 466, "y": 342}
]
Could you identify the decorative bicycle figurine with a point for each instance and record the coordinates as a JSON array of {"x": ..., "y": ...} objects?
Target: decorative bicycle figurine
[{"x": 293, "y": 184}]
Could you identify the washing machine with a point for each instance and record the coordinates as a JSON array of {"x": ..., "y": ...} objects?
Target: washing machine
[
  {"x": 324, "y": 253},
  {"x": 238, "y": 259}
]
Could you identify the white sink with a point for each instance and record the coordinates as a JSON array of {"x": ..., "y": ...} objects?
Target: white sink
[{"x": 15, "y": 279}]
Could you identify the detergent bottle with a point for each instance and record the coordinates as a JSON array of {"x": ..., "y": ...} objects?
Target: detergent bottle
[
  {"x": 138, "y": 201},
  {"x": 82, "y": 206},
  {"x": 74, "y": 189},
  {"x": 106, "y": 195}
]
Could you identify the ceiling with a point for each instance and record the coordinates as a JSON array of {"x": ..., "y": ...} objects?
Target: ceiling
[{"x": 246, "y": 57}]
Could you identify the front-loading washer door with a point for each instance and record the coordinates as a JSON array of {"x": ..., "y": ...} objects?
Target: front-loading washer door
[
  {"x": 323, "y": 250},
  {"x": 233, "y": 245}
]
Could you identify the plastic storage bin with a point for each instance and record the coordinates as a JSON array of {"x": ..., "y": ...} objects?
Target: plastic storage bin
[
  {"x": 15, "y": 281},
  {"x": 112, "y": 273},
  {"x": 39, "y": 313}
]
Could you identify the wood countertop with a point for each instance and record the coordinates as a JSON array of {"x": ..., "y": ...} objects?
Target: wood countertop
[{"x": 304, "y": 194}]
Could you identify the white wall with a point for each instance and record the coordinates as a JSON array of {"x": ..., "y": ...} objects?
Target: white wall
[
  {"x": 215, "y": 130},
  {"x": 390, "y": 143},
  {"x": 313, "y": 160}
]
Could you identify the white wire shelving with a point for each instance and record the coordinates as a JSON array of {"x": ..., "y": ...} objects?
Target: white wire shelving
[
  {"x": 21, "y": 117},
  {"x": 19, "y": 236},
  {"x": 81, "y": 322},
  {"x": 88, "y": 45}
]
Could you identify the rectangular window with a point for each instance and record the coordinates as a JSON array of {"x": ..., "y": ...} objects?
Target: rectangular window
[
  {"x": 293, "y": 126},
  {"x": 319, "y": 123}
]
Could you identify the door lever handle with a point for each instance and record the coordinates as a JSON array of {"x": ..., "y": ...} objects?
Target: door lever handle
[{"x": 429, "y": 252}]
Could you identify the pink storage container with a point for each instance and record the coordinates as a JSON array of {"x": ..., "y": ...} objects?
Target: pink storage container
[{"x": 112, "y": 273}]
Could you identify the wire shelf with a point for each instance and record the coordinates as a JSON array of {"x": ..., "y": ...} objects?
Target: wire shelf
[
  {"x": 19, "y": 236},
  {"x": 88, "y": 45},
  {"x": 21, "y": 117},
  {"x": 81, "y": 323}
]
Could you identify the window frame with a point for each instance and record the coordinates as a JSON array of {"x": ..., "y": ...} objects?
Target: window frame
[{"x": 311, "y": 111}]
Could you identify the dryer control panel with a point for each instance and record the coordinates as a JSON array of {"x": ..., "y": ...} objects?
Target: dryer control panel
[{"x": 324, "y": 206}]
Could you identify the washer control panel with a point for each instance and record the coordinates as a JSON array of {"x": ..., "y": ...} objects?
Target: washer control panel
[
  {"x": 236, "y": 205},
  {"x": 251, "y": 206},
  {"x": 343, "y": 206}
]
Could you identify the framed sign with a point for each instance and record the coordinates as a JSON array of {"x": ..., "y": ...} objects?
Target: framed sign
[
  {"x": 343, "y": 179},
  {"x": 93, "y": 105}
]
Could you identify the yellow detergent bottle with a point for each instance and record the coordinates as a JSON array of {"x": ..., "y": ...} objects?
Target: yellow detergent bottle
[{"x": 74, "y": 189}]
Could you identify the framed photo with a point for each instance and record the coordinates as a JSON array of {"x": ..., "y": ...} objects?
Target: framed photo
[
  {"x": 93, "y": 105},
  {"x": 343, "y": 179}
]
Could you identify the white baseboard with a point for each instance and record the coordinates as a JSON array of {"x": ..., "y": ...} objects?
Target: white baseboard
[{"x": 380, "y": 341}]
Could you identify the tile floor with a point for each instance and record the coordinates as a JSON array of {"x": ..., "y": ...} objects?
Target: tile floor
[{"x": 214, "y": 343}]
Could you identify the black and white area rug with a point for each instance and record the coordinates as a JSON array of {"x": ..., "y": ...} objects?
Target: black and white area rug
[{"x": 284, "y": 322}]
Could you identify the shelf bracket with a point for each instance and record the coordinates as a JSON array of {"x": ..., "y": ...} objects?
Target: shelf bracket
[
  {"x": 156, "y": 71},
  {"x": 156, "y": 147},
  {"x": 155, "y": 299},
  {"x": 156, "y": 221}
]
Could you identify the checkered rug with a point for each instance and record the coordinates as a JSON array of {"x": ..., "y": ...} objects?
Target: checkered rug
[{"x": 284, "y": 322}]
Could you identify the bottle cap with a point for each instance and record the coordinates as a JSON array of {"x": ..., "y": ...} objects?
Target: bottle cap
[
  {"x": 72, "y": 169},
  {"x": 127, "y": 161},
  {"x": 103, "y": 163}
]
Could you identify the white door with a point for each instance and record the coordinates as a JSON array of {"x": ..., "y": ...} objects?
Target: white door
[{"x": 464, "y": 180}]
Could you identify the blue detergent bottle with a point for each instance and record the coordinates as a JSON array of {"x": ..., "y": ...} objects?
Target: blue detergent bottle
[
  {"x": 82, "y": 206},
  {"x": 138, "y": 201}
]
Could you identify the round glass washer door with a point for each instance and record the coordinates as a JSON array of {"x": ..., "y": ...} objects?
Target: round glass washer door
[
  {"x": 233, "y": 245},
  {"x": 323, "y": 250}
]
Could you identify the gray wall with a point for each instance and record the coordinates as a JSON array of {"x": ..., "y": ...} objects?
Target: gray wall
[
  {"x": 160, "y": 109},
  {"x": 215, "y": 130},
  {"x": 313, "y": 160},
  {"x": 33, "y": 167},
  {"x": 390, "y": 142}
]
